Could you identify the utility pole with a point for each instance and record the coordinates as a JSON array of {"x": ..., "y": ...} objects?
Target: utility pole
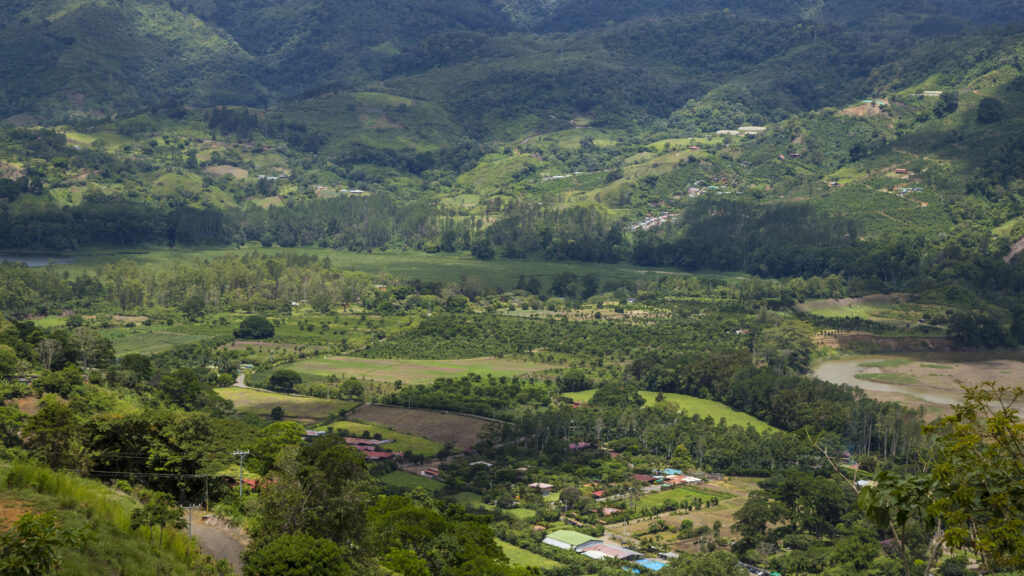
[
  {"x": 241, "y": 468},
  {"x": 190, "y": 508}
]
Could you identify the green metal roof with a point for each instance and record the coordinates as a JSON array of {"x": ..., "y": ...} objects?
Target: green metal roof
[{"x": 569, "y": 537}]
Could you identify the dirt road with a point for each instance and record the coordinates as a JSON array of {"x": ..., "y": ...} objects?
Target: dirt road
[{"x": 219, "y": 542}]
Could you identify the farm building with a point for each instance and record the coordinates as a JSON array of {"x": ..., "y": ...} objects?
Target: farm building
[
  {"x": 646, "y": 479},
  {"x": 599, "y": 550},
  {"x": 545, "y": 489},
  {"x": 569, "y": 540},
  {"x": 431, "y": 473}
]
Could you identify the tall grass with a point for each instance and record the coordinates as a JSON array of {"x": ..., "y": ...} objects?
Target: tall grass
[{"x": 104, "y": 515}]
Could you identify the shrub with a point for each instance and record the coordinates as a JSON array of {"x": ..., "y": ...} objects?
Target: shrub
[{"x": 255, "y": 328}]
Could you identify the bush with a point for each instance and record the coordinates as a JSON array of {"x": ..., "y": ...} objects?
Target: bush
[
  {"x": 285, "y": 380},
  {"x": 255, "y": 328}
]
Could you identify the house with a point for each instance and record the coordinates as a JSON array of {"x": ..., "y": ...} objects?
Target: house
[
  {"x": 569, "y": 540},
  {"x": 374, "y": 455},
  {"x": 311, "y": 434},
  {"x": 901, "y": 171},
  {"x": 431, "y": 473},
  {"x": 671, "y": 472},
  {"x": 580, "y": 445},
  {"x": 609, "y": 511},
  {"x": 545, "y": 489},
  {"x": 598, "y": 550},
  {"x": 646, "y": 479},
  {"x": 481, "y": 463},
  {"x": 598, "y": 493},
  {"x": 681, "y": 480}
]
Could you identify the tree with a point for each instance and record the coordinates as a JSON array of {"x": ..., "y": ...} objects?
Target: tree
[
  {"x": 270, "y": 441},
  {"x": 158, "y": 509},
  {"x": 11, "y": 421},
  {"x": 718, "y": 563},
  {"x": 296, "y": 554},
  {"x": 947, "y": 103},
  {"x": 140, "y": 364},
  {"x": 990, "y": 111},
  {"x": 276, "y": 413},
  {"x": 284, "y": 380},
  {"x": 321, "y": 489},
  {"x": 255, "y": 328},
  {"x": 54, "y": 434},
  {"x": 32, "y": 545},
  {"x": 48, "y": 350},
  {"x": 8, "y": 362}
]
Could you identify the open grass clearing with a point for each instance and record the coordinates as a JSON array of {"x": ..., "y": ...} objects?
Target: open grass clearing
[
  {"x": 299, "y": 408},
  {"x": 462, "y": 432},
  {"x": 691, "y": 405},
  {"x": 406, "y": 481},
  {"x": 401, "y": 442},
  {"x": 472, "y": 500},
  {"x": 413, "y": 371},
  {"x": 654, "y": 499},
  {"x": 521, "y": 557}
]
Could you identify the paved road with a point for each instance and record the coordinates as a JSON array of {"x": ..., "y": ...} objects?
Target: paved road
[{"x": 219, "y": 544}]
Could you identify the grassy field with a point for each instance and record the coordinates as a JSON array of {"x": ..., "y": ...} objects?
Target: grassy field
[
  {"x": 524, "y": 514},
  {"x": 430, "y": 267},
  {"x": 250, "y": 401},
  {"x": 407, "y": 481},
  {"x": 402, "y": 442},
  {"x": 460, "y": 431},
  {"x": 887, "y": 363},
  {"x": 412, "y": 371},
  {"x": 521, "y": 557},
  {"x": 147, "y": 342},
  {"x": 676, "y": 494},
  {"x": 692, "y": 405}
]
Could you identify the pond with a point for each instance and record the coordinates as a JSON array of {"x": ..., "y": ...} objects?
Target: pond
[
  {"x": 36, "y": 260},
  {"x": 933, "y": 379}
]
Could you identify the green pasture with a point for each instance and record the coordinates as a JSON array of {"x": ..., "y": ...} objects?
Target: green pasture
[
  {"x": 524, "y": 514},
  {"x": 407, "y": 481},
  {"x": 402, "y": 442},
  {"x": 259, "y": 402},
  {"x": 521, "y": 557},
  {"x": 691, "y": 405},
  {"x": 654, "y": 499},
  {"x": 413, "y": 371}
]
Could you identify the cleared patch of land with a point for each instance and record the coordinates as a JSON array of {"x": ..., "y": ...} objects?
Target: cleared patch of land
[
  {"x": 521, "y": 557},
  {"x": 413, "y": 371},
  {"x": 226, "y": 169},
  {"x": 401, "y": 442},
  {"x": 299, "y": 408},
  {"x": 462, "y": 432},
  {"x": 407, "y": 481},
  {"x": 691, "y": 405}
]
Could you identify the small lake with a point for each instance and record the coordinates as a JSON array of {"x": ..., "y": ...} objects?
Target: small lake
[
  {"x": 933, "y": 377},
  {"x": 36, "y": 260}
]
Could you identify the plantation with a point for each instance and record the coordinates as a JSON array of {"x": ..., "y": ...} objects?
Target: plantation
[{"x": 413, "y": 371}]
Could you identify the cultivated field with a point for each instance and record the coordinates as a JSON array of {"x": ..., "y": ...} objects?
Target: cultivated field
[
  {"x": 413, "y": 371},
  {"x": 691, "y": 405},
  {"x": 402, "y": 442},
  {"x": 653, "y": 499},
  {"x": 298, "y": 408},
  {"x": 461, "y": 431}
]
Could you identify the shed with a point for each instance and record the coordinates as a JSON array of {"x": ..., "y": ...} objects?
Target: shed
[{"x": 568, "y": 540}]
